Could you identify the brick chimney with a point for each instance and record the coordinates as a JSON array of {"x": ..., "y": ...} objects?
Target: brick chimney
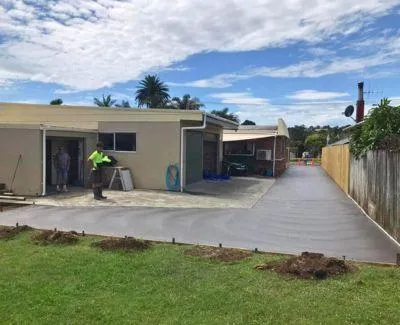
[{"x": 360, "y": 103}]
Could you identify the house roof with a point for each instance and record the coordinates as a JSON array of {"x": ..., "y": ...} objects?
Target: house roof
[
  {"x": 251, "y": 132},
  {"x": 88, "y": 117}
]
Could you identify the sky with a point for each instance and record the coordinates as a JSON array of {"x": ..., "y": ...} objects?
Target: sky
[{"x": 299, "y": 60}]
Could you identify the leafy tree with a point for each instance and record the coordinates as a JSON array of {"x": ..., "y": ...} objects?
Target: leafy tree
[
  {"x": 314, "y": 142},
  {"x": 248, "y": 122},
  {"x": 299, "y": 133},
  {"x": 124, "y": 103},
  {"x": 186, "y": 103},
  {"x": 105, "y": 101},
  {"x": 225, "y": 114},
  {"x": 382, "y": 124},
  {"x": 152, "y": 92},
  {"x": 57, "y": 101}
]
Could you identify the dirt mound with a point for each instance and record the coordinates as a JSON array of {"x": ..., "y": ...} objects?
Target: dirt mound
[
  {"x": 310, "y": 266},
  {"x": 47, "y": 237},
  {"x": 218, "y": 253},
  {"x": 11, "y": 232},
  {"x": 128, "y": 244}
]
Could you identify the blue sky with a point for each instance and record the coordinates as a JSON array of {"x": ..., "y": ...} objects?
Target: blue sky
[{"x": 296, "y": 59}]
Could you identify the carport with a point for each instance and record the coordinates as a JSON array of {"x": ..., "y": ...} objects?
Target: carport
[{"x": 202, "y": 148}]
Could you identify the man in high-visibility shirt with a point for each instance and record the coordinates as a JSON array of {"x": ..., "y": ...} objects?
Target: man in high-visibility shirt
[{"x": 96, "y": 160}]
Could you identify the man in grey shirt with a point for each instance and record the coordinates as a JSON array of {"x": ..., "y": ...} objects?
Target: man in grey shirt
[{"x": 62, "y": 162}]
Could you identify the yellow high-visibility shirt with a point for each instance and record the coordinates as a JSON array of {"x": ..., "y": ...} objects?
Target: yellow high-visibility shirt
[{"x": 98, "y": 158}]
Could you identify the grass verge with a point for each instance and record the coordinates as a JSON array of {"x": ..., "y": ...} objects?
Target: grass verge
[{"x": 79, "y": 284}]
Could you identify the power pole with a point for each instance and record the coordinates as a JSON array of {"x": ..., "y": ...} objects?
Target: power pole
[{"x": 360, "y": 103}]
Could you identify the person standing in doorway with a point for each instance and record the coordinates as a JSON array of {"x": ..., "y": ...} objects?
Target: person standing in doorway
[
  {"x": 96, "y": 160},
  {"x": 62, "y": 161}
]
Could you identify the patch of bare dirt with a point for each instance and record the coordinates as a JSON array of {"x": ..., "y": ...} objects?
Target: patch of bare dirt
[
  {"x": 11, "y": 232},
  {"x": 310, "y": 266},
  {"x": 128, "y": 244},
  {"x": 218, "y": 253},
  {"x": 47, "y": 237}
]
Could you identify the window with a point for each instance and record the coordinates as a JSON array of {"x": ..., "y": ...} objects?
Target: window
[
  {"x": 125, "y": 141},
  {"x": 108, "y": 140},
  {"x": 264, "y": 154}
]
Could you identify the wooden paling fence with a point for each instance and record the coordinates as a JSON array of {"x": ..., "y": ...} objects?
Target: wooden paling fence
[
  {"x": 373, "y": 181},
  {"x": 336, "y": 162}
]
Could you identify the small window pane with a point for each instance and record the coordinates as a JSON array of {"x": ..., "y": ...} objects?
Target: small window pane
[
  {"x": 125, "y": 141},
  {"x": 108, "y": 140}
]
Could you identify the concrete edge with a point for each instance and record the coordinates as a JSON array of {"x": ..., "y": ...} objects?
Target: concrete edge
[
  {"x": 376, "y": 224},
  {"x": 174, "y": 242},
  {"x": 363, "y": 211}
]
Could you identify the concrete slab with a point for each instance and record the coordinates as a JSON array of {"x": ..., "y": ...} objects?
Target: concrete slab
[
  {"x": 235, "y": 193},
  {"x": 303, "y": 211}
]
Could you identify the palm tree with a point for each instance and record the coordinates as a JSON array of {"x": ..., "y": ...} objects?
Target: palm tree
[
  {"x": 152, "y": 92},
  {"x": 57, "y": 101},
  {"x": 105, "y": 101},
  {"x": 186, "y": 103},
  {"x": 225, "y": 114},
  {"x": 124, "y": 103}
]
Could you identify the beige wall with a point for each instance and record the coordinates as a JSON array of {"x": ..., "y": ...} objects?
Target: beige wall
[
  {"x": 335, "y": 161},
  {"x": 27, "y": 142},
  {"x": 157, "y": 146}
]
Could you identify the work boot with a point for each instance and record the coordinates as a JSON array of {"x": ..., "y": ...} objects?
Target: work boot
[
  {"x": 96, "y": 194},
  {"x": 101, "y": 194},
  {"x": 65, "y": 189},
  {"x": 58, "y": 188}
]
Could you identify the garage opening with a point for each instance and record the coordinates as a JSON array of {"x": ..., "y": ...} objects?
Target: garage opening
[
  {"x": 74, "y": 148},
  {"x": 210, "y": 153}
]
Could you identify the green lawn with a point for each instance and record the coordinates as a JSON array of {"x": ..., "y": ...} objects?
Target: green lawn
[{"x": 82, "y": 285}]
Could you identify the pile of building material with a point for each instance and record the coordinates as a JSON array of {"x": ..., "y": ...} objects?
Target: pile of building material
[{"x": 8, "y": 197}]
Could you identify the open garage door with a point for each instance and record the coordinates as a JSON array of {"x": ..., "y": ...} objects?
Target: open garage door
[
  {"x": 210, "y": 152},
  {"x": 194, "y": 157}
]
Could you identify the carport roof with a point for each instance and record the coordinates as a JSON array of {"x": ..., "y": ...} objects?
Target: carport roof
[{"x": 241, "y": 137}]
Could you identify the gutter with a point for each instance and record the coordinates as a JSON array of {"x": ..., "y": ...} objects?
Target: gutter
[
  {"x": 43, "y": 128},
  {"x": 273, "y": 163},
  {"x": 183, "y": 129}
]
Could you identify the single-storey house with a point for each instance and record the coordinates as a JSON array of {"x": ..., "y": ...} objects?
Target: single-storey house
[
  {"x": 146, "y": 141},
  {"x": 264, "y": 149}
]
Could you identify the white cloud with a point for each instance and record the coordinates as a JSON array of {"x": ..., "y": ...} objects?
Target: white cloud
[
  {"x": 311, "y": 94},
  {"x": 88, "y": 44},
  {"x": 262, "y": 111},
  {"x": 6, "y": 84},
  {"x": 180, "y": 68},
  {"x": 295, "y": 114},
  {"x": 306, "y": 69},
  {"x": 319, "y": 51},
  {"x": 245, "y": 98}
]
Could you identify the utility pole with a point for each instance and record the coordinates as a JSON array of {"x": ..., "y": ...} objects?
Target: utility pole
[{"x": 360, "y": 103}]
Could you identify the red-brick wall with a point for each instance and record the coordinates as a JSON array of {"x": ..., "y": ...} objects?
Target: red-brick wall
[{"x": 260, "y": 166}]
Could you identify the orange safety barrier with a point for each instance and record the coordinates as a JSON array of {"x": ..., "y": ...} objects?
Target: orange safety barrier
[{"x": 307, "y": 162}]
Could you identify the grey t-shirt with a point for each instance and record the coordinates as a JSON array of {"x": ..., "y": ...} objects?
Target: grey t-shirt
[{"x": 62, "y": 160}]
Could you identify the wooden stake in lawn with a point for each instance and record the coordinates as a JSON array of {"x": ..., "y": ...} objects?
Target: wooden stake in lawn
[{"x": 398, "y": 259}]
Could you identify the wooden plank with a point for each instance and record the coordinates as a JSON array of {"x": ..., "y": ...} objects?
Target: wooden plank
[
  {"x": 15, "y": 198},
  {"x": 16, "y": 202}
]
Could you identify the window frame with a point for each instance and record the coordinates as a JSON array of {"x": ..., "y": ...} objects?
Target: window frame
[
  {"x": 113, "y": 135},
  {"x": 115, "y": 141}
]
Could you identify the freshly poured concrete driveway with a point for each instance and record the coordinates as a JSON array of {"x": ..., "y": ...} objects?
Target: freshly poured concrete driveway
[{"x": 303, "y": 211}]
